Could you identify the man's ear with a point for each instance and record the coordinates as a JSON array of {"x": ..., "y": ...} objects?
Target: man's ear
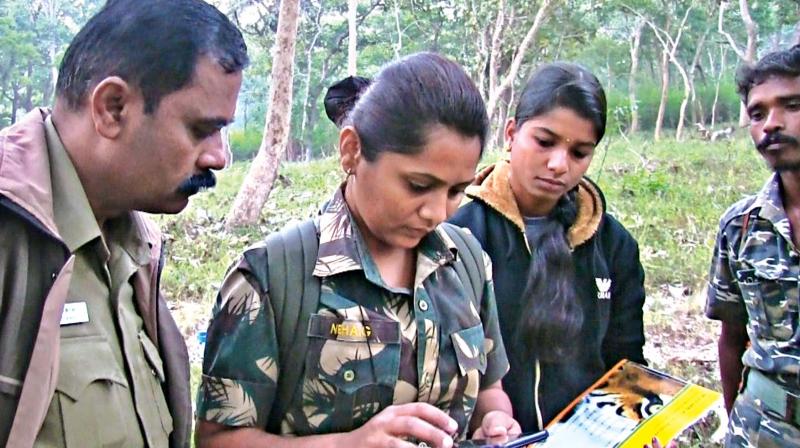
[
  {"x": 349, "y": 149},
  {"x": 111, "y": 102}
]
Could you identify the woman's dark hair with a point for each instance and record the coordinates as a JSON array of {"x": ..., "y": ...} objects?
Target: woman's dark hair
[
  {"x": 151, "y": 44},
  {"x": 410, "y": 96},
  {"x": 563, "y": 84},
  {"x": 342, "y": 96},
  {"x": 552, "y": 318}
]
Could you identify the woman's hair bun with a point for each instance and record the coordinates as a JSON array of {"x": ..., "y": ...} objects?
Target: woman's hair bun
[{"x": 342, "y": 96}]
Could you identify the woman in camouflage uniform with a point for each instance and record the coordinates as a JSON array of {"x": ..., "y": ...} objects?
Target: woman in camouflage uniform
[{"x": 398, "y": 353}]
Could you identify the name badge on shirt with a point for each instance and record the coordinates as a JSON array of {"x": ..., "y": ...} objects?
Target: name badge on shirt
[{"x": 75, "y": 313}]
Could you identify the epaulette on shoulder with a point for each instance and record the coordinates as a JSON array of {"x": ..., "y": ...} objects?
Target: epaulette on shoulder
[{"x": 736, "y": 210}]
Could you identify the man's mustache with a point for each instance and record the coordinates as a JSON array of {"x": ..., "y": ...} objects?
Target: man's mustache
[
  {"x": 773, "y": 138},
  {"x": 198, "y": 182}
]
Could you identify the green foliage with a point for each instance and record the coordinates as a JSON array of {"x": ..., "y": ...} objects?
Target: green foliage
[
  {"x": 649, "y": 96},
  {"x": 245, "y": 143},
  {"x": 671, "y": 199}
]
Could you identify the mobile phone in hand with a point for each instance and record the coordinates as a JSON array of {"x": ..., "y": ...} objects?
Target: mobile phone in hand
[{"x": 520, "y": 441}]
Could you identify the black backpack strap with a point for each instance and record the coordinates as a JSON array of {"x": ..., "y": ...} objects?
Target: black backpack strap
[
  {"x": 469, "y": 264},
  {"x": 294, "y": 293}
]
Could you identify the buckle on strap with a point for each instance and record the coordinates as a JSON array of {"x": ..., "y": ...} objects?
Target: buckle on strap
[{"x": 776, "y": 400}]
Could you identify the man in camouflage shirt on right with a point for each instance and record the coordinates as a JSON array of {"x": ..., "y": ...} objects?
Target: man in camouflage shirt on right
[{"x": 753, "y": 287}]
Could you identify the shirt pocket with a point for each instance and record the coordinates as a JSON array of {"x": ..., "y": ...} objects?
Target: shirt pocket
[
  {"x": 771, "y": 303},
  {"x": 470, "y": 354},
  {"x": 352, "y": 368},
  {"x": 90, "y": 390},
  {"x": 156, "y": 385}
]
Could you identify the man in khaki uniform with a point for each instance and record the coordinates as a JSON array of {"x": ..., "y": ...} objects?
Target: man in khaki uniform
[{"x": 89, "y": 354}]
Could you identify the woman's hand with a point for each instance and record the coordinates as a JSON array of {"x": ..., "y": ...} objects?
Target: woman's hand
[
  {"x": 497, "y": 426},
  {"x": 396, "y": 425}
]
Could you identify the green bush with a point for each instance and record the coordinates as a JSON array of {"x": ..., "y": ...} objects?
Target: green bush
[{"x": 245, "y": 143}]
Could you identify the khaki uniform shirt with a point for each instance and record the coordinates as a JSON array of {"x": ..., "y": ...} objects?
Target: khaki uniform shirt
[
  {"x": 754, "y": 281},
  {"x": 370, "y": 346},
  {"x": 108, "y": 391}
]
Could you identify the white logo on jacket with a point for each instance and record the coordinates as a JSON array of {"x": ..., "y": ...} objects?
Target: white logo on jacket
[{"x": 603, "y": 288}]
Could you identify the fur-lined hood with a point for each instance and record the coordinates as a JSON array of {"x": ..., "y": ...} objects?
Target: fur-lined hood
[{"x": 491, "y": 186}]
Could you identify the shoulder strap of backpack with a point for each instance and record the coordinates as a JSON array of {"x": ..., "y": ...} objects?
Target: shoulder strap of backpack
[
  {"x": 469, "y": 264},
  {"x": 294, "y": 293}
]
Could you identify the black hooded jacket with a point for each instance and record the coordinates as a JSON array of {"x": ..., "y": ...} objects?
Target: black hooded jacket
[{"x": 602, "y": 251}]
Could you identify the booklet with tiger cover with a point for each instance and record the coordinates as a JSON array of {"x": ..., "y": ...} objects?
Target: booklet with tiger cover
[{"x": 629, "y": 406}]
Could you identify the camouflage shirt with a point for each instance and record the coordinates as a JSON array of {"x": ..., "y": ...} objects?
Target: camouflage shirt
[
  {"x": 370, "y": 345},
  {"x": 754, "y": 280}
]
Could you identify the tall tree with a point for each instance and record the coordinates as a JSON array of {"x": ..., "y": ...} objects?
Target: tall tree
[
  {"x": 495, "y": 92},
  {"x": 670, "y": 46},
  {"x": 748, "y": 54},
  {"x": 261, "y": 176},
  {"x": 635, "y": 44}
]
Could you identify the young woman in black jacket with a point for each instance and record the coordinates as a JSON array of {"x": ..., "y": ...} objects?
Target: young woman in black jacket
[{"x": 567, "y": 276}]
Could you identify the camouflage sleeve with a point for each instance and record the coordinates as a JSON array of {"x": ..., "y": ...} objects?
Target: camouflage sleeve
[
  {"x": 724, "y": 301},
  {"x": 496, "y": 359},
  {"x": 240, "y": 364}
]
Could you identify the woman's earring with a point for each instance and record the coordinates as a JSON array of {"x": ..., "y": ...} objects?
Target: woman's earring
[{"x": 507, "y": 148}]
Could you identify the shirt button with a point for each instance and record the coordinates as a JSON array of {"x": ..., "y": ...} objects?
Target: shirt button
[
  {"x": 423, "y": 305},
  {"x": 349, "y": 375}
]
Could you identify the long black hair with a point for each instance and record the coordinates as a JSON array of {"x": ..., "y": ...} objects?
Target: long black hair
[{"x": 552, "y": 318}]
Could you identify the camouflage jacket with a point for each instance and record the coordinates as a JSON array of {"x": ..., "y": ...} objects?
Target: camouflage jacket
[
  {"x": 754, "y": 280},
  {"x": 370, "y": 346}
]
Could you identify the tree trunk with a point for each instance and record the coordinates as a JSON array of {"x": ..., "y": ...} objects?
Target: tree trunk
[
  {"x": 398, "y": 47},
  {"x": 635, "y": 45},
  {"x": 662, "y": 105},
  {"x": 352, "y": 37},
  {"x": 697, "y": 109},
  {"x": 670, "y": 47},
  {"x": 258, "y": 183},
  {"x": 541, "y": 15},
  {"x": 750, "y": 50},
  {"x": 494, "y": 50},
  {"x": 722, "y": 56},
  {"x": 748, "y": 55},
  {"x": 14, "y": 102},
  {"x": 312, "y": 111},
  {"x": 307, "y": 80}
]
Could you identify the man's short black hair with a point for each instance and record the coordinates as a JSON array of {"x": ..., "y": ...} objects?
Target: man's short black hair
[
  {"x": 152, "y": 44},
  {"x": 784, "y": 63}
]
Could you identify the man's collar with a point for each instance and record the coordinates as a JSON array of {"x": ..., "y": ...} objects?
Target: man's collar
[
  {"x": 74, "y": 217},
  {"x": 73, "y": 214}
]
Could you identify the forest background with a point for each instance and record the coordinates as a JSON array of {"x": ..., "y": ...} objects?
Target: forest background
[{"x": 677, "y": 152}]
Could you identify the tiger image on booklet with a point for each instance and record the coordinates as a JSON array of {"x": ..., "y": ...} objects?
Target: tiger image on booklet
[
  {"x": 635, "y": 393},
  {"x": 629, "y": 406}
]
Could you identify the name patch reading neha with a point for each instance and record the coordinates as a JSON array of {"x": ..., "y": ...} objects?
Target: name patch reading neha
[
  {"x": 384, "y": 331},
  {"x": 353, "y": 330}
]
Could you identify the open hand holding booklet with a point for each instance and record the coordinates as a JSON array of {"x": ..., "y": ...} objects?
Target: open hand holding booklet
[{"x": 629, "y": 406}]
